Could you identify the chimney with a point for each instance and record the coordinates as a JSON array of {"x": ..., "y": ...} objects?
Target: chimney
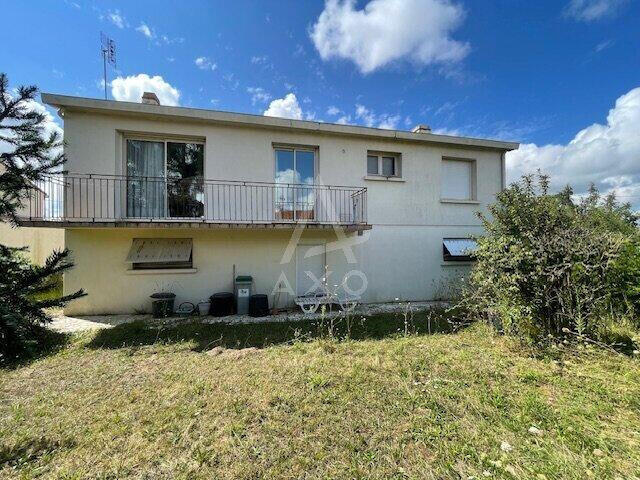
[
  {"x": 421, "y": 129},
  {"x": 150, "y": 98}
]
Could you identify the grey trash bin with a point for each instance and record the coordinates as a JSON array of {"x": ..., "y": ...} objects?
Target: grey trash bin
[{"x": 243, "y": 287}]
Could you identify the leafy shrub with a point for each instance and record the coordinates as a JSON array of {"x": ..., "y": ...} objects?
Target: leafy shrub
[{"x": 548, "y": 263}]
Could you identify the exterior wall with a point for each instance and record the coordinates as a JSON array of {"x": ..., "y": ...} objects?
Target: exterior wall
[
  {"x": 95, "y": 144},
  {"x": 401, "y": 256},
  {"x": 404, "y": 263},
  {"x": 112, "y": 287},
  {"x": 41, "y": 241}
]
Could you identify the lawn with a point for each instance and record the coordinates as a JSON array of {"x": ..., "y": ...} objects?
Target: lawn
[{"x": 138, "y": 402}]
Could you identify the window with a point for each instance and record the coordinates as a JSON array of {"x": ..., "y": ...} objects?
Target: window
[
  {"x": 458, "y": 249},
  {"x": 383, "y": 164},
  {"x": 372, "y": 165},
  {"x": 164, "y": 179},
  {"x": 161, "y": 253},
  {"x": 295, "y": 174},
  {"x": 458, "y": 179}
]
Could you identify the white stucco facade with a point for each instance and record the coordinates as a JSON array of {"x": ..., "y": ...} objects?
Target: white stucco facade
[{"x": 401, "y": 256}]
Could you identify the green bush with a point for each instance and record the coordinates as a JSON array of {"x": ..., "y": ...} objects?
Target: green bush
[{"x": 547, "y": 264}]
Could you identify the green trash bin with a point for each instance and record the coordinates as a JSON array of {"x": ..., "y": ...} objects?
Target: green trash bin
[{"x": 242, "y": 290}]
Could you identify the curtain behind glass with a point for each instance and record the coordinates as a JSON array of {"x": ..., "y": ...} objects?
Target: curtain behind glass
[{"x": 145, "y": 179}]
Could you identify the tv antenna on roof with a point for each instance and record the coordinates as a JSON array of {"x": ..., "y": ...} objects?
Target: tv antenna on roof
[{"x": 108, "y": 51}]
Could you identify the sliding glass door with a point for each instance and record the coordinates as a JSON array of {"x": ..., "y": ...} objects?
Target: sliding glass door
[
  {"x": 165, "y": 179},
  {"x": 295, "y": 174},
  {"x": 146, "y": 186},
  {"x": 185, "y": 182}
]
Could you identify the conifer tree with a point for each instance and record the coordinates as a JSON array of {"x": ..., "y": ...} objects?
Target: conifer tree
[{"x": 27, "y": 155}]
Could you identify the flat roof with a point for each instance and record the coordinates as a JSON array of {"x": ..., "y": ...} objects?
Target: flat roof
[{"x": 71, "y": 103}]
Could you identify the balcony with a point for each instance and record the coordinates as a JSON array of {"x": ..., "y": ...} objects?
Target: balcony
[{"x": 87, "y": 200}]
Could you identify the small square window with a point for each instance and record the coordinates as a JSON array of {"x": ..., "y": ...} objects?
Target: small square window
[
  {"x": 372, "y": 165},
  {"x": 383, "y": 164}
]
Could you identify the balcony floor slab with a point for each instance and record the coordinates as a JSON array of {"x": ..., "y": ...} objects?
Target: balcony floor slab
[{"x": 187, "y": 224}]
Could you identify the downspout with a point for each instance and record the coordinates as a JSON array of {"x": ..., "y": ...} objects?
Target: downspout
[{"x": 503, "y": 171}]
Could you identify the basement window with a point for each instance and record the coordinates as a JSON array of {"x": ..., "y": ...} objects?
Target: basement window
[
  {"x": 161, "y": 253},
  {"x": 458, "y": 249}
]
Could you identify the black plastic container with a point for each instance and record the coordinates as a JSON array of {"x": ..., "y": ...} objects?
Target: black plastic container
[
  {"x": 162, "y": 304},
  {"x": 258, "y": 305},
  {"x": 222, "y": 304}
]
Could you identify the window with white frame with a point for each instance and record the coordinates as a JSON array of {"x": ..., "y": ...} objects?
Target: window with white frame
[
  {"x": 165, "y": 178},
  {"x": 161, "y": 253},
  {"x": 458, "y": 179},
  {"x": 295, "y": 176},
  {"x": 383, "y": 164}
]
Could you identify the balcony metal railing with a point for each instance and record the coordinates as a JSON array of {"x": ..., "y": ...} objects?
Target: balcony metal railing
[{"x": 111, "y": 198}]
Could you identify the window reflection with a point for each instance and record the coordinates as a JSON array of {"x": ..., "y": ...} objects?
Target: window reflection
[
  {"x": 295, "y": 168},
  {"x": 185, "y": 183}
]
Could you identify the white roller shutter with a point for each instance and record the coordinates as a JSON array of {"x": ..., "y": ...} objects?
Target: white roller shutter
[
  {"x": 457, "y": 176},
  {"x": 160, "y": 250}
]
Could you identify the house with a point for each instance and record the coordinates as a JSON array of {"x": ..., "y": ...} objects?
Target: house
[
  {"x": 41, "y": 241},
  {"x": 159, "y": 197}
]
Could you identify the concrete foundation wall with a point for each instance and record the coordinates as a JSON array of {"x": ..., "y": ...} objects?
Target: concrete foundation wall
[{"x": 397, "y": 262}]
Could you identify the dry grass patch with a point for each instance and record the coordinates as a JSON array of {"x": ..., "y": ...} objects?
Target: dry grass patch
[{"x": 421, "y": 406}]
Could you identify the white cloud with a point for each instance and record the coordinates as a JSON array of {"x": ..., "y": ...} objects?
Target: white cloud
[
  {"x": 170, "y": 41},
  {"x": 130, "y": 89},
  {"x": 604, "y": 45},
  {"x": 607, "y": 155},
  {"x": 390, "y": 122},
  {"x": 287, "y": 107},
  {"x": 366, "y": 115},
  {"x": 333, "y": 110},
  {"x": 389, "y": 30},
  {"x": 204, "y": 63},
  {"x": 344, "y": 120},
  {"x": 258, "y": 94},
  {"x": 262, "y": 59},
  {"x": 590, "y": 10},
  {"x": 371, "y": 119},
  {"x": 144, "y": 29},
  {"x": 117, "y": 19}
]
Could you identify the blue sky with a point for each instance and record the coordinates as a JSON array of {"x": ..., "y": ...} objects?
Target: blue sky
[{"x": 537, "y": 72}]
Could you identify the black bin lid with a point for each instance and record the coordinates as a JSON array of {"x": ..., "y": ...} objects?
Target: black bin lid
[{"x": 222, "y": 295}]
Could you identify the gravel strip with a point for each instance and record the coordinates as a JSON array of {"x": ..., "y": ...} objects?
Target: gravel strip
[{"x": 62, "y": 323}]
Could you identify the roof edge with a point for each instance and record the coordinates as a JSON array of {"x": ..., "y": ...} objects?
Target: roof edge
[{"x": 261, "y": 121}]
